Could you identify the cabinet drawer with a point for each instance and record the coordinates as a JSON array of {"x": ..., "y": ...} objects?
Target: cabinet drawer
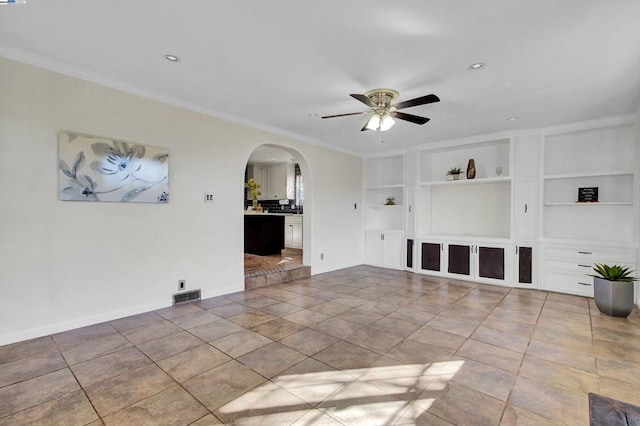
[
  {"x": 591, "y": 254},
  {"x": 567, "y": 282},
  {"x": 579, "y": 265}
]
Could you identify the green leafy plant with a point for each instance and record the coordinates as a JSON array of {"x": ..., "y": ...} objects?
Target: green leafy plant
[
  {"x": 254, "y": 188},
  {"x": 613, "y": 273},
  {"x": 454, "y": 171}
]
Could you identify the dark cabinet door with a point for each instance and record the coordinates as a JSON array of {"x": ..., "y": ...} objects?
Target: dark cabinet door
[
  {"x": 430, "y": 257},
  {"x": 525, "y": 265},
  {"x": 491, "y": 262},
  {"x": 409, "y": 261},
  {"x": 459, "y": 259}
]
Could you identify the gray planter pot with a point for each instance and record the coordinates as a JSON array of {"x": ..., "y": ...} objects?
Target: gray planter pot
[{"x": 613, "y": 298}]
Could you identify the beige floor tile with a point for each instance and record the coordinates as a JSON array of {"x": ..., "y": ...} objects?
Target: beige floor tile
[
  {"x": 170, "y": 407},
  {"x": 516, "y": 416},
  {"x": 563, "y": 355},
  {"x": 39, "y": 390},
  {"x": 620, "y": 370},
  {"x": 223, "y": 384},
  {"x": 193, "y": 362},
  {"x": 169, "y": 345},
  {"x": 375, "y": 340},
  {"x": 29, "y": 367},
  {"x": 265, "y": 404},
  {"x": 306, "y": 317},
  {"x": 412, "y": 352},
  {"x": 568, "y": 378},
  {"x": 277, "y": 328},
  {"x": 553, "y": 403},
  {"x": 621, "y": 351},
  {"x": 316, "y": 418},
  {"x": 453, "y": 326},
  {"x": 121, "y": 391},
  {"x": 194, "y": 319},
  {"x": 501, "y": 338},
  {"x": 70, "y": 339},
  {"x": 308, "y": 341},
  {"x": 343, "y": 355},
  {"x": 513, "y": 327},
  {"x": 215, "y": 330},
  {"x": 94, "y": 348},
  {"x": 177, "y": 310},
  {"x": 513, "y": 316},
  {"x": 459, "y": 404},
  {"x": 154, "y": 330},
  {"x": 565, "y": 316},
  {"x": 622, "y": 391},
  {"x": 207, "y": 420},
  {"x": 494, "y": 356},
  {"x": 395, "y": 326},
  {"x": 251, "y": 319},
  {"x": 337, "y": 327},
  {"x": 108, "y": 366},
  {"x": 271, "y": 359},
  {"x": 238, "y": 344},
  {"x": 563, "y": 338},
  {"x": 71, "y": 409},
  {"x": 330, "y": 308},
  {"x": 418, "y": 317},
  {"x": 27, "y": 349},
  {"x": 431, "y": 336},
  {"x": 280, "y": 309},
  {"x": 313, "y": 381},
  {"x": 484, "y": 378},
  {"x": 360, "y": 316}
]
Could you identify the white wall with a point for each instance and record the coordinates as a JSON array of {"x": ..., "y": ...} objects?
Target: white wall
[{"x": 68, "y": 264}]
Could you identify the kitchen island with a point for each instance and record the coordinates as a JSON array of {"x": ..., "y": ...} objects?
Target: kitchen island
[{"x": 263, "y": 233}]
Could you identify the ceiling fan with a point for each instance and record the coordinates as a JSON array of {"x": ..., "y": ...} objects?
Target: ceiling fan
[{"x": 382, "y": 119}]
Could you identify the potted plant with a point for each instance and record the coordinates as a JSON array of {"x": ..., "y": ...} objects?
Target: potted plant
[
  {"x": 254, "y": 189},
  {"x": 454, "y": 172},
  {"x": 613, "y": 289}
]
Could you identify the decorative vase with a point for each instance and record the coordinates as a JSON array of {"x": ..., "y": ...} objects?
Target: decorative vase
[
  {"x": 255, "y": 204},
  {"x": 613, "y": 298},
  {"x": 471, "y": 169}
]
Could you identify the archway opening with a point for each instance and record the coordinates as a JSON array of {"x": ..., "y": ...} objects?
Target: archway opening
[{"x": 276, "y": 218}]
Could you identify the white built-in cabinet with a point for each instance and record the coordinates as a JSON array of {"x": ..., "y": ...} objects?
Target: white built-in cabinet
[
  {"x": 383, "y": 215},
  {"x": 293, "y": 231},
  {"x": 518, "y": 222},
  {"x": 277, "y": 181}
]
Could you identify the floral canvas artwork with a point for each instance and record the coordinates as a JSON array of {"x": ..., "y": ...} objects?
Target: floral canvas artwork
[{"x": 99, "y": 169}]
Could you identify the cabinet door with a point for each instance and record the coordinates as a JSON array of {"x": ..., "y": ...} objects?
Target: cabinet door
[
  {"x": 525, "y": 208},
  {"x": 431, "y": 257},
  {"x": 296, "y": 235},
  {"x": 408, "y": 264},
  {"x": 493, "y": 263},
  {"x": 459, "y": 259},
  {"x": 277, "y": 182},
  {"x": 525, "y": 266},
  {"x": 392, "y": 249},
  {"x": 373, "y": 248}
]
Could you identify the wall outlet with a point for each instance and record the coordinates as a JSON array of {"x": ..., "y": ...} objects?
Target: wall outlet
[
  {"x": 182, "y": 284},
  {"x": 321, "y": 256}
]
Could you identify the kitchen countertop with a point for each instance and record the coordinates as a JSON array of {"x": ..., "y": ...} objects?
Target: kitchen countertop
[{"x": 272, "y": 214}]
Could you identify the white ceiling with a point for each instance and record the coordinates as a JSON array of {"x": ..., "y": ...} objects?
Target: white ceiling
[{"x": 273, "y": 63}]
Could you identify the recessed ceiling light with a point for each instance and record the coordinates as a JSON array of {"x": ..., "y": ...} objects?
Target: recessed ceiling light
[
  {"x": 312, "y": 114},
  {"x": 172, "y": 58},
  {"x": 513, "y": 118},
  {"x": 477, "y": 66}
]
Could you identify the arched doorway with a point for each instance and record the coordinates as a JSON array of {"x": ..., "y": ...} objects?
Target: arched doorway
[{"x": 277, "y": 216}]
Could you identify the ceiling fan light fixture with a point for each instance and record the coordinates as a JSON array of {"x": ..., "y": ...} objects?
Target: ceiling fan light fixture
[
  {"x": 386, "y": 123},
  {"x": 172, "y": 58},
  {"x": 374, "y": 122}
]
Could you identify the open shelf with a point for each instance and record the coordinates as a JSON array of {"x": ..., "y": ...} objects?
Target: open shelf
[
  {"x": 479, "y": 181},
  {"x": 588, "y": 175},
  {"x": 621, "y": 203}
]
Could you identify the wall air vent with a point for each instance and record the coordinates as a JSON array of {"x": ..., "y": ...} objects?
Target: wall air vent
[{"x": 186, "y": 296}]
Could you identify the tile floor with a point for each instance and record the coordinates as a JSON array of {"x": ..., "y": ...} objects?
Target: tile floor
[{"x": 358, "y": 346}]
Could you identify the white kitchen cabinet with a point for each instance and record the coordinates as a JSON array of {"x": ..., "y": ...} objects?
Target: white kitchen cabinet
[
  {"x": 383, "y": 248},
  {"x": 261, "y": 175},
  {"x": 281, "y": 181},
  {"x": 293, "y": 231}
]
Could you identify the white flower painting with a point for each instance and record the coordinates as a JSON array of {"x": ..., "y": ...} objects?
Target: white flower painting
[{"x": 98, "y": 169}]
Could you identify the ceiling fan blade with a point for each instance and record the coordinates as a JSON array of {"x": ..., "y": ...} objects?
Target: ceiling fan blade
[
  {"x": 365, "y": 100},
  {"x": 428, "y": 99},
  {"x": 410, "y": 117},
  {"x": 344, "y": 115},
  {"x": 364, "y": 128}
]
